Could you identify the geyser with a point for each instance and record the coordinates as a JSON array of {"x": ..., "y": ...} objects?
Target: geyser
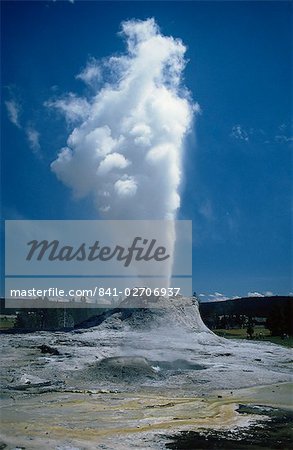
[
  {"x": 127, "y": 140},
  {"x": 126, "y": 146}
]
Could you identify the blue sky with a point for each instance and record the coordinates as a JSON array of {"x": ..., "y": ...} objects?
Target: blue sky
[{"x": 237, "y": 186}]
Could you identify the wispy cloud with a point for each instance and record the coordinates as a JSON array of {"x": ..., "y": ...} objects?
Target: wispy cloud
[
  {"x": 255, "y": 294},
  {"x": 72, "y": 107},
  {"x": 70, "y": 1},
  {"x": 13, "y": 111},
  {"x": 91, "y": 74},
  {"x": 33, "y": 137},
  {"x": 282, "y": 139},
  {"x": 206, "y": 210},
  {"x": 239, "y": 133},
  {"x": 281, "y": 135},
  {"x": 217, "y": 297}
]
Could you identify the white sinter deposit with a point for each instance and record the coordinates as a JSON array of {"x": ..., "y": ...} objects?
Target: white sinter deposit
[{"x": 165, "y": 346}]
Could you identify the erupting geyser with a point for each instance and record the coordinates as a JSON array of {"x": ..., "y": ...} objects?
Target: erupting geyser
[{"x": 127, "y": 143}]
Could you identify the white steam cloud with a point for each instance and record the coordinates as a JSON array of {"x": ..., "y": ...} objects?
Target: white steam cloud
[{"x": 127, "y": 141}]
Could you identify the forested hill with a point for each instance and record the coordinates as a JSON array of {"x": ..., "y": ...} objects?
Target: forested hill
[
  {"x": 249, "y": 306},
  {"x": 275, "y": 313}
]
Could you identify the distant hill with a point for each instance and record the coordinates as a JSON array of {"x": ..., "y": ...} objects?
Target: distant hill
[
  {"x": 276, "y": 310},
  {"x": 249, "y": 306}
]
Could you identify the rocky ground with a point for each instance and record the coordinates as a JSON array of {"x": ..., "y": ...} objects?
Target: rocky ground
[{"x": 125, "y": 382}]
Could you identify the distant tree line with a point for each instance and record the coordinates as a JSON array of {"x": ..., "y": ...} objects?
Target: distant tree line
[
  {"x": 52, "y": 318},
  {"x": 275, "y": 313}
]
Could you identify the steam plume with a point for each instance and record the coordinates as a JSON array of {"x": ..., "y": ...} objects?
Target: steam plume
[{"x": 127, "y": 138}]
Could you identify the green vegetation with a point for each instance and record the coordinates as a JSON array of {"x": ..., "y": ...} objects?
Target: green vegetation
[
  {"x": 7, "y": 322},
  {"x": 258, "y": 319},
  {"x": 260, "y": 334},
  {"x": 46, "y": 319},
  {"x": 276, "y": 313},
  {"x": 52, "y": 318}
]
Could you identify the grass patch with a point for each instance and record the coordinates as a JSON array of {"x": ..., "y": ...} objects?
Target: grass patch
[
  {"x": 260, "y": 334},
  {"x": 7, "y": 322}
]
